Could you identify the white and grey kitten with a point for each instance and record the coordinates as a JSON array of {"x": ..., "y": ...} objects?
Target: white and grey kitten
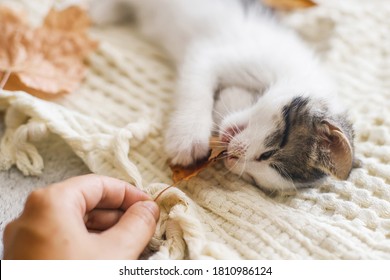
[{"x": 245, "y": 78}]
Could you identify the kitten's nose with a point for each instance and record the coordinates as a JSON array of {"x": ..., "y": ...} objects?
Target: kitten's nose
[
  {"x": 229, "y": 133},
  {"x": 237, "y": 151}
]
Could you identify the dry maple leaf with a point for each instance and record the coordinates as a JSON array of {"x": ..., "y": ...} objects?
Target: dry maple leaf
[
  {"x": 47, "y": 60},
  {"x": 288, "y": 4},
  {"x": 13, "y": 16},
  {"x": 180, "y": 173},
  {"x": 71, "y": 19},
  {"x": 13, "y": 30}
]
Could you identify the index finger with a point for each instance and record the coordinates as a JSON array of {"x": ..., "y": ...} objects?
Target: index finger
[{"x": 95, "y": 191}]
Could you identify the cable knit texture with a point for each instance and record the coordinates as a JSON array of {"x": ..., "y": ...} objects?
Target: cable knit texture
[{"x": 116, "y": 121}]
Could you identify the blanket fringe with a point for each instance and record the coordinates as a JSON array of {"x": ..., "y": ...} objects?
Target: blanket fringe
[
  {"x": 28, "y": 120},
  {"x": 16, "y": 147}
]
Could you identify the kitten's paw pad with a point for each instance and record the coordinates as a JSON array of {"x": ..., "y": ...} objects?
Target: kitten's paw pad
[{"x": 187, "y": 152}]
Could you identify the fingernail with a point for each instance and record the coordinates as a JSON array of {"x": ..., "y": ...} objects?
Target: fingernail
[{"x": 152, "y": 207}]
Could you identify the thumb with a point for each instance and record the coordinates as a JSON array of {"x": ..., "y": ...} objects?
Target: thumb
[{"x": 128, "y": 238}]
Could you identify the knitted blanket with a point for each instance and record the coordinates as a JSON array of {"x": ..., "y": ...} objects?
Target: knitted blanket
[{"x": 115, "y": 124}]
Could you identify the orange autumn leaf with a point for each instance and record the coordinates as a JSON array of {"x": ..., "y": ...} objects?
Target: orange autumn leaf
[
  {"x": 47, "y": 60},
  {"x": 180, "y": 173},
  {"x": 288, "y": 4},
  {"x": 13, "y": 16},
  {"x": 71, "y": 19}
]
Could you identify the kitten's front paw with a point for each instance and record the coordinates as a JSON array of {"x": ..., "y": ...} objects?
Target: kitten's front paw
[{"x": 186, "y": 149}]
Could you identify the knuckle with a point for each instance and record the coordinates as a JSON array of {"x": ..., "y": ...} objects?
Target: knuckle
[
  {"x": 8, "y": 230},
  {"x": 40, "y": 198},
  {"x": 35, "y": 197}
]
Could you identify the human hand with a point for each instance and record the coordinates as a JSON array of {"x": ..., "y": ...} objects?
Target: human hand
[{"x": 57, "y": 220}]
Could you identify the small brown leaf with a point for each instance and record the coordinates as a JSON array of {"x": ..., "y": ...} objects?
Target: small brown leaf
[
  {"x": 48, "y": 60},
  {"x": 288, "y": 4},
  {"x": 185, "y": 173},
  {"x": 13, "y": 16},
  {"x": 71, "y": 19}
]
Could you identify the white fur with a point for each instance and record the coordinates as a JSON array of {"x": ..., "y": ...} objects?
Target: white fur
[{"x": 255, "y": 64}]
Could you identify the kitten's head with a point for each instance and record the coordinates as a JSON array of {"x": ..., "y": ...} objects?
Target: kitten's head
[{"x": 286, "y": 143}]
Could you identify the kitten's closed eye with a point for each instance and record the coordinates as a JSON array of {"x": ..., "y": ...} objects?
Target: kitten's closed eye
[{"x": 266, "y": 155}]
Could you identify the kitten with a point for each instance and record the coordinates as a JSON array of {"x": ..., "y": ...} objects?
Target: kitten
[{"x": 253, "y": 83}]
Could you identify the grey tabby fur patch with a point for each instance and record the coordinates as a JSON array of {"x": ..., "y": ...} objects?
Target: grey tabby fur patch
[{"x": 298, "y": 154}]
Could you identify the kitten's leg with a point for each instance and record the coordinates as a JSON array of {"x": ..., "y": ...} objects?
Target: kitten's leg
[
  {"x": 187, "y": 138},
  {"x": 203, "y": 70}
]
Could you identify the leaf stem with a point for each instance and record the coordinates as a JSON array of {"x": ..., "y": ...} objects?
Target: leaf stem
[
  {"x": 5, "y": 78},
  {"x": 171, "y": 186}
]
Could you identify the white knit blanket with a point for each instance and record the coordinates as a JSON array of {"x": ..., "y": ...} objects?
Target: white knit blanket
[{"x": 115, "y": 124}]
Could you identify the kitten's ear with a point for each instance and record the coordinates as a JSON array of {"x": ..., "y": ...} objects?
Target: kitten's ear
[{"x": 338, "y": 150}]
